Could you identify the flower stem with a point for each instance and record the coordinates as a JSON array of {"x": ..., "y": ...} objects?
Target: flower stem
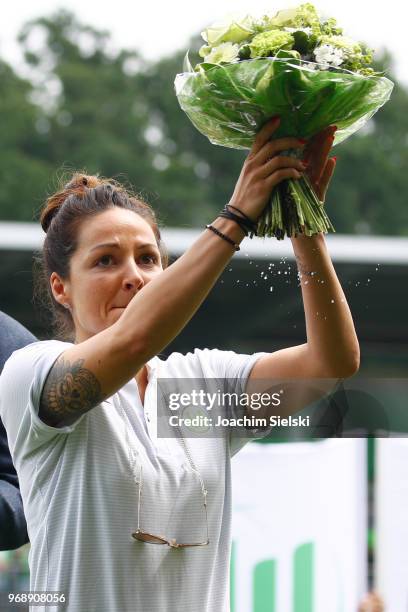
[{"x": 294, "y": 209}]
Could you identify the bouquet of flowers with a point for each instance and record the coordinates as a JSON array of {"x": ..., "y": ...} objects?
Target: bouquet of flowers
[{"x": 292, "y": 64}]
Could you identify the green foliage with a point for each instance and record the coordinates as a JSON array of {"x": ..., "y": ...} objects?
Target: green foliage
[
  {"x": 118, "y": 115},
  {"x": 23, "y": 171},
  {"x": 368, "y": 194}
]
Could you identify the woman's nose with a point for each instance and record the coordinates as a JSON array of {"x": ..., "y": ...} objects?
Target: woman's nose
[{"x": 133, "y": 278}]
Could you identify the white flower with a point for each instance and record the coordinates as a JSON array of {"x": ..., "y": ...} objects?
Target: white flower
[
  {"x": 327, "y": 55},
  {"x": 225, "y": 52}
]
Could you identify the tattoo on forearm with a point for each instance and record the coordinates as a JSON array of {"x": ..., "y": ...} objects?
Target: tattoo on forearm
[
  {"x": 69, "y": 391},
  {"x": 302, "y": 269}
]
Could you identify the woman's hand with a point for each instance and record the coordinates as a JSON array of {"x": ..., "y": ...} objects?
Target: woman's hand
[
  {"x": 320, "y": 166},
  {"x": 264, "y": 168}
]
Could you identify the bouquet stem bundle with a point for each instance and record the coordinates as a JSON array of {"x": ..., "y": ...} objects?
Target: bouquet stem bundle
[{"x": 294, "y": 209}]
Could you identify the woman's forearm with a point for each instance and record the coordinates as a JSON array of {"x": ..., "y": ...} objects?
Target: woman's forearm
[
  {"x": 157, "y": 314},
  {"x": 331, "y": 337}
]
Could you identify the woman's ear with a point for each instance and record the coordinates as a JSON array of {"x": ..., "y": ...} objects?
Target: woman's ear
[{"x": 60, "y": 290}]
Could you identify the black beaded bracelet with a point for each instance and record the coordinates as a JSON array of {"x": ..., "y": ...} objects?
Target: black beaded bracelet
[{"x": 221, "y": 235}]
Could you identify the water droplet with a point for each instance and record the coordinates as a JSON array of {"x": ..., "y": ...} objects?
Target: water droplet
[
  {"x": 230, "y": 270},
  {"x": 237, "y": 281},
  {"x": 368, "y": 280},
  {"x": 306, "y": 282},
  {"x": 322, "y": 282},
  {"x": 270, "y": 288},
  {"x": 332, "y": 301},
  {"x": 279, "y": 271}
]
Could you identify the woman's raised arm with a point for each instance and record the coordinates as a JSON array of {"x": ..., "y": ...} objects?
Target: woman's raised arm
[{"x": 94, "y": 369}]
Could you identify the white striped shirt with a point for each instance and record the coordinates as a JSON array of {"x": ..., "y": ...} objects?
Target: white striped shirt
[{"x": 80, "y": 499}]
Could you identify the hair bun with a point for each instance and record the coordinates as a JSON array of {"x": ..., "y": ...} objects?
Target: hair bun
[
  {"x": 53, "y": 205},
  {"x": 79, "y": 180},
  {"x": 74, "y": 187}
]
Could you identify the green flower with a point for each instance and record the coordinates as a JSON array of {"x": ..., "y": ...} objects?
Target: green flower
[
  {"x": 331, "y": 28},
  {"x": 303, "y": 16},
  {"x": 204, "y": 50},
  {"x": 225, "y": 52},
  {"x": 233, "y": 32},
  {"x": 268, "y": 43}
]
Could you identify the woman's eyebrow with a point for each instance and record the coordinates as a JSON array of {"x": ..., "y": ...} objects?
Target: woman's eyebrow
[{"x": 115, "y": 244}]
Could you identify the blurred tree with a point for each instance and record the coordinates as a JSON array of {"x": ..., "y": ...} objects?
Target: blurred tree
[
  {"x": 368, "y": 194},
  {"x": 23, "y": 172},
  {"x": 95, "y": 115},
  {"x": 89, "y": 107},
  {"x": 200, "y": 177}
]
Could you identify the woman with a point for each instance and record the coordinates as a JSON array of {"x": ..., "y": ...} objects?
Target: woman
[{"x": 99, "y": 485}]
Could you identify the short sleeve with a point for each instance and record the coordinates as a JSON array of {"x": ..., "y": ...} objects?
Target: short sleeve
[
  {"x": 235, "y": 369},
  {"x": 21, "y": 384}
]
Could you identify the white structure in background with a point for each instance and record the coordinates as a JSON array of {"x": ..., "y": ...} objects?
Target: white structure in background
[
  {"x": 371, "y": 249},
  {"x": 391, "y": 512},
  {"x": 299, "y": 527}
]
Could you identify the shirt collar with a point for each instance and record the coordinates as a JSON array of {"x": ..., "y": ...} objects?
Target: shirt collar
[{"x": 152, "y": 365}]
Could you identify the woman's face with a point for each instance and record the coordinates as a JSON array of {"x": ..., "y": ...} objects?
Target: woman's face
[{"x": 116, "y": 256}]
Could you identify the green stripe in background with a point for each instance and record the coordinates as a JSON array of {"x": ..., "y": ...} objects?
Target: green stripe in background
[
  {"x": 303, "y": 578},
  {"x": 264, "y": 584}
]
